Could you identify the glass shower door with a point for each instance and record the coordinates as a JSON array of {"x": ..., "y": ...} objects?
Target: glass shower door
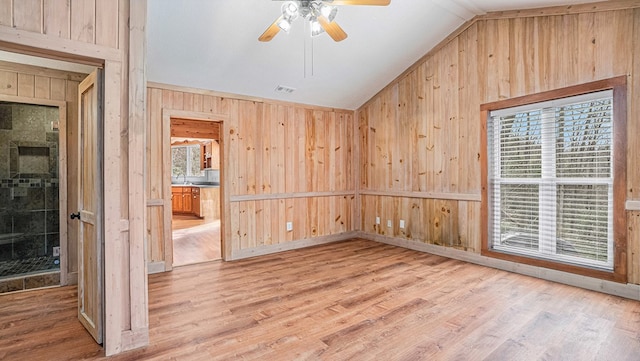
[{"x": 29, "y": 194}]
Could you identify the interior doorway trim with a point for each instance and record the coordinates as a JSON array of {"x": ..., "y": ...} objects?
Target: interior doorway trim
[
  {"x": 66, "y": 277},
  {"x": 225, "y": 209}
]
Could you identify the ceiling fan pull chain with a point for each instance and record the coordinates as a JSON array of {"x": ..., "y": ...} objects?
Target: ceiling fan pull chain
[
  {"x": 312, "y": 57},
  {"x": 305, "y": 52},
  {"x": 308, "y": 50}
]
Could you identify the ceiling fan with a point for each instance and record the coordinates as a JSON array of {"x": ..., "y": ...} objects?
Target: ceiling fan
[{"x": 319, "y": 13}]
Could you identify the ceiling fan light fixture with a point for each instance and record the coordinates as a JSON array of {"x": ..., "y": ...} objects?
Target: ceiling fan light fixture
[
  {"x": 329, "y": 12},
  {"x": 290, "y": 10},
  {"x": 289, "y": 14},
  {"x": 320, "y": 15},
  {"x": 284, "y": 24},
  {"x": 316, "y": 28}
]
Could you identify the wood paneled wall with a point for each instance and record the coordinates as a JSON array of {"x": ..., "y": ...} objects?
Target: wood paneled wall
[
  {"x": 93, "y": 21},
  {"x": 419, "y": 138},
  {"x": 281, "y": 162},
  {"x": 443, "y": 222},
  {"x": 293, "y": 165},
  {"x": 37, "y": 84}
]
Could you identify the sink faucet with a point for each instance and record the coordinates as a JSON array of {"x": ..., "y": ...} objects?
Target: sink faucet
[{"x": 184, "y": 178}]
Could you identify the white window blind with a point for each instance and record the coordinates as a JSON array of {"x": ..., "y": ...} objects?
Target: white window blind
[{"x": 551, "y": 180}]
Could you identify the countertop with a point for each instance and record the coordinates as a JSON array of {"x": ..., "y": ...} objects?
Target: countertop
[{"x": 199, "y": 185}]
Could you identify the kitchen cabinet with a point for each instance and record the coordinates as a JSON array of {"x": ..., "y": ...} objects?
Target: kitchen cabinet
[
  {"x": 203, "y": 156},
  {"x": 195, "y": 201},
  {"x": 210, "y": 155},
  {"x": 187, "y": 204},
  {"x": 177, "y": 201},
  {"x": 185, "y": 200},
  {"x": 202, "y": 202},
  {"x": 206, "y": 154}
]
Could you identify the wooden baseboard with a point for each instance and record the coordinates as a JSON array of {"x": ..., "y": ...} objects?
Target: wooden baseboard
[
  {"x": 303, "y": 243},
  {"x": 159, "y": 267},
  {"x": 155, "y": 267},
  {"x": 132, "y": 339},
  {"x": 627, "y": 290}
]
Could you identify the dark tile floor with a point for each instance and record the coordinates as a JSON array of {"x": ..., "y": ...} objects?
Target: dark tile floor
[{"x": 27, "y": 266}]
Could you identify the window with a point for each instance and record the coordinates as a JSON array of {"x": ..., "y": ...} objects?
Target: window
[
  {"x": 185, "y": 161},
  {"x": 550, "y": 181}
]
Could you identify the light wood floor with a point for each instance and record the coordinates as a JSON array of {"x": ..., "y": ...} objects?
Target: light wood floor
[
  {"x": 355, "y": 300},
  {"x": 195, "y": 241}
]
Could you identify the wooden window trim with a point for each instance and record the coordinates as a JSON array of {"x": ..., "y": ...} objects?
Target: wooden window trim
[{"x": 619, "y": 87}]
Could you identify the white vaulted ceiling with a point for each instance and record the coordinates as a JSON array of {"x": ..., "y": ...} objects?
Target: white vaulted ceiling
[{"x": 213, "y": 44}]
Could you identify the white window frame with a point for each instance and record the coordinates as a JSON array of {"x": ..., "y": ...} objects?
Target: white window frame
[
  {"x": 189, "y": 161},
  {"x": 547, "y": 183}
]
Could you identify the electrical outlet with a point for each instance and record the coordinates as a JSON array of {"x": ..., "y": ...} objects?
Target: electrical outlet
[
  {"x": 56, "y": 251},
  {"x": 377, "y": 220},
  {"x": 289, "y": 226},
  {"x": 402, "y": 223},
  {"x": 389, "y": 224}
]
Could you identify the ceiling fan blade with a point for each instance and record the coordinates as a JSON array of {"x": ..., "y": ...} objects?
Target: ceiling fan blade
[
  {"x": 271, "y": 31},
  {"x": 332, "y": 28},
  {"x": 359, "y": 2}
]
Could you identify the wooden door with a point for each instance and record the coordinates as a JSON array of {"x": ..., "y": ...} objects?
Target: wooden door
[
  {"x": 176, "y": 199},
  {"x": 90, "y": 233},
  {"x": 187, "y": 204},
  {"x": 196, "y": 201}
]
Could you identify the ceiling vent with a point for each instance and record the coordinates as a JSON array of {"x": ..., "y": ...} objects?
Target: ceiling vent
[{"x": 284, "y": 89}]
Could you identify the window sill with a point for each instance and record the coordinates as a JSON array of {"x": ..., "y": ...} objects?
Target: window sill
[{"x": 570, "y": 268}]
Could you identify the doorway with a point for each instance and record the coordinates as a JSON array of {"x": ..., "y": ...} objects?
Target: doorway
[
  {"x": 33, "y": 194},
  {"x": 195, "y": 191},
  {"x": 38, "y": 158},
  {"x": 44, "y": 149}
]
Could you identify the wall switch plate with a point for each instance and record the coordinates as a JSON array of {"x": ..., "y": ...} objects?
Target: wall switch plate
[
  {"x": 402, "y": 223},
  {"x": 377, "y": 220},
  {"x": 56, "y": 251},
  {"x": 389, "y": 223},
  {"x": 289, "y": 226}
]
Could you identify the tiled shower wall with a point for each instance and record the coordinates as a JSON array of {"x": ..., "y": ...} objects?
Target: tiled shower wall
[{"x": 29, "y": 184}]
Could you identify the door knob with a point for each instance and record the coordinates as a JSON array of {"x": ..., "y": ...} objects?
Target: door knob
[{"x": 75, "y": 215}]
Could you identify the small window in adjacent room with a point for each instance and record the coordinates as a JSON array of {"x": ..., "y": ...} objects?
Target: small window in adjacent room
[
  {"x": 185, "y": 161},
  {"x": 551, "y": 177}
]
